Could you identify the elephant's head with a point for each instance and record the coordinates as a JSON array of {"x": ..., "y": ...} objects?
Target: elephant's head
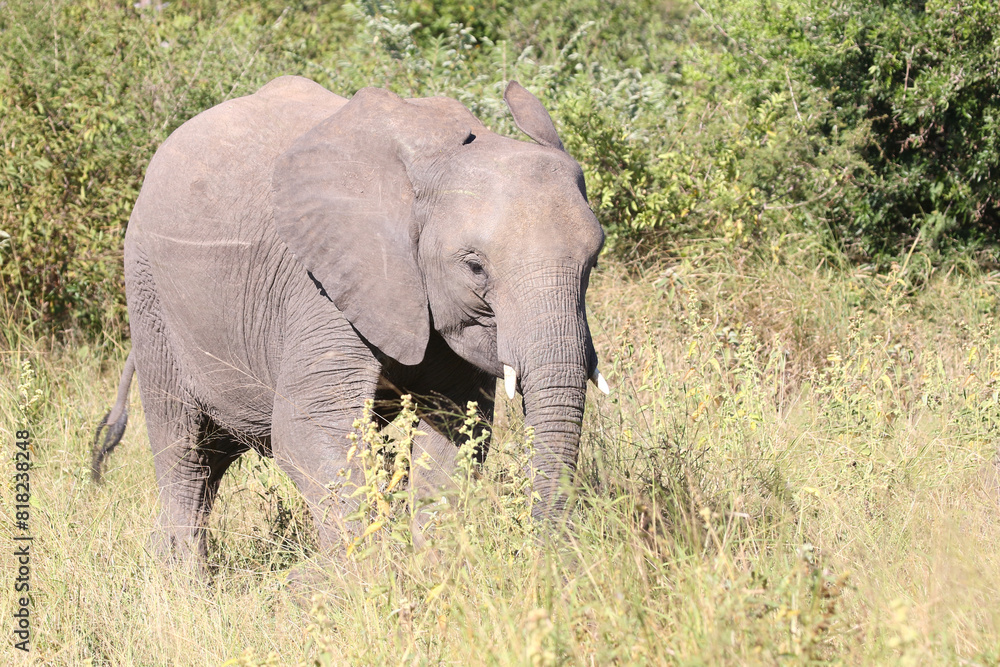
[{"x": 414, "y": 216}]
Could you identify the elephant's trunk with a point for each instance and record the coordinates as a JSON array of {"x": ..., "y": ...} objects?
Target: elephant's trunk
[
  {"x": 553, "y": 357},
  {"x": 553, "y": 407}
]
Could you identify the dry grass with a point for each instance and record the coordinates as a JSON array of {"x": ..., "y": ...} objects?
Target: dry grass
[{"x": 798, "y": 464}]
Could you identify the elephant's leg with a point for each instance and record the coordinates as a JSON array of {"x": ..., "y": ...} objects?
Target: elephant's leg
[
  {"x": 319, "y": 396},
  {"x": 434, "y": 455},
  {"x": 190, "y": 456},
  {"x": 432, "y": 479}
]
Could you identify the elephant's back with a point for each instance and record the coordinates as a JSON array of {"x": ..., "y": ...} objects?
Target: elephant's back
[
  {"x": 221, "y": 161},
  {"x": 204, "y": 211}
]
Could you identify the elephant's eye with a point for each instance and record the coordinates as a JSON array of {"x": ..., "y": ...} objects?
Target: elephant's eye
[{"x": 475, "y": 266}]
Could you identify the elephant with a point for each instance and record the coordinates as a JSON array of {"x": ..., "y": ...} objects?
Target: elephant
[{"x": 292, "y": 254}]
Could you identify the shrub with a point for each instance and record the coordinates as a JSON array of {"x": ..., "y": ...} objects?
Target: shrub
[
  {"x": 860, "y": 125},
  {"x": 919, "y": 81},
  {"x": 87, "y": 92}
]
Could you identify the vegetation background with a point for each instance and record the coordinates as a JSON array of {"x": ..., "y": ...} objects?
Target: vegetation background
[{"x": 799, "y": 463}]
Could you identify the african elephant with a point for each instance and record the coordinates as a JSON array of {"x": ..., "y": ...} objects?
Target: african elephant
[{"x": 293, "y": 253}]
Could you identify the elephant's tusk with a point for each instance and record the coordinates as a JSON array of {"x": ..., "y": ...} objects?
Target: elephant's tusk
[
  {"x": 601, "y": 383},
  {"x": 509, "y": 380}
]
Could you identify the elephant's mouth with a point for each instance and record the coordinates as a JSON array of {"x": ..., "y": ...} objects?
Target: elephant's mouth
[{"x": 512, "y": 384}]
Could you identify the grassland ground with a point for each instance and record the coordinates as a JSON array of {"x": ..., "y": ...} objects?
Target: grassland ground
[{"x": 798, "y": 464}]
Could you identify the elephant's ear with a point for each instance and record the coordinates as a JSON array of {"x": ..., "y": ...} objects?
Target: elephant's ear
[
  {"x": 530, "y": 116},
  {"x": 345, "y": 196}
]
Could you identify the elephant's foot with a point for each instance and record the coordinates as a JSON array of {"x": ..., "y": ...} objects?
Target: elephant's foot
[{"x": 180, "y": 555}]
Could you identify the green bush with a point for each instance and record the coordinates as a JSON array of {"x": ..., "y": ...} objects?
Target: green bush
[
  {"x": 916, "y": 83},
  {"x": 857, "y": 125},
  {"x": 89, "y": 89},
  {"x": 87, "y": 92},
  {"x": 70, "y": 173}
]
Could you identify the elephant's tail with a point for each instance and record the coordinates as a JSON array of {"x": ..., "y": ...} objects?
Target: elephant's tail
[{"x": 113, "y": 423}]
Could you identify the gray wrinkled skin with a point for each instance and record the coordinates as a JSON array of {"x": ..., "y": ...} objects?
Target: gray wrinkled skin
[{"x": 292, "y": 254}]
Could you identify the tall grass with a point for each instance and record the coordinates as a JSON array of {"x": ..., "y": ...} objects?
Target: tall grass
[{"x": 797, "y": 464}]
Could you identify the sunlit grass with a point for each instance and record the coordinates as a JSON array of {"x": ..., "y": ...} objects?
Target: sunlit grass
[{"x": 798, "y": 463}]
